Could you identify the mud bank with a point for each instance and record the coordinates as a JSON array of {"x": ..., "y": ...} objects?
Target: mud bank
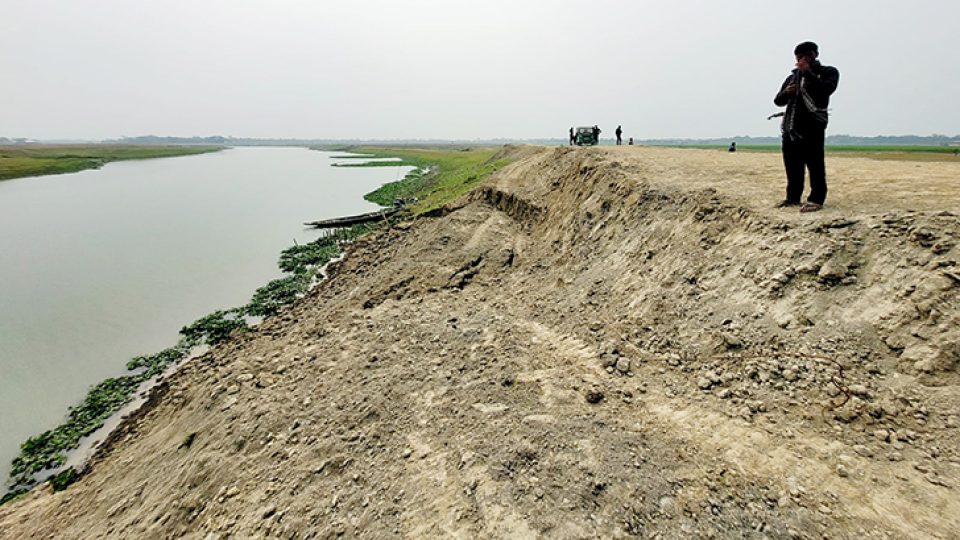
[{"x": 607, "y": 342}]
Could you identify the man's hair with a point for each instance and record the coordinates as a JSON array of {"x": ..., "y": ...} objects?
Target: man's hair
[{"x": 806, "y": 47}]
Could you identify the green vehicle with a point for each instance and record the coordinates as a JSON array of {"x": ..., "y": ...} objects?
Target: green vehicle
[{"x": 585, "y": 137}]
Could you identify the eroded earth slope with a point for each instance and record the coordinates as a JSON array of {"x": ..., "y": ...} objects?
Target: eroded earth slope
[{"x": 606, "y": 342}]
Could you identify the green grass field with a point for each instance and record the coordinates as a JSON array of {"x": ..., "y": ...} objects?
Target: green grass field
[{"x": 17, "y": 161}]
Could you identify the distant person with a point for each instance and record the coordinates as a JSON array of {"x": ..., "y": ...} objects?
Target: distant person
[
  {"x": 733, "y": 147},
  {"x": 596, "y": 134},
  {"x": 572, "y": 138},
  {"x": 630, "y": 142},
  {"x": 619, "y": 132},
  {"x": 806, "y": 93}
]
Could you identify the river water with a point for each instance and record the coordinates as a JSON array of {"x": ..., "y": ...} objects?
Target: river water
[{"x": 102, "y": 265}]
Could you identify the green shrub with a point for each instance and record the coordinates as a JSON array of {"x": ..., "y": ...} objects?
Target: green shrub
[
  {"x": 268, "y": 300},
  {"x": 298, "y": 258},
  {"x": 214, "y": 328},
  {"x": 64, "y": 478}
]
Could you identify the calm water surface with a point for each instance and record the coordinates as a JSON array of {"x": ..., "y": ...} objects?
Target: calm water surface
[{"x": 99, "y": 266}]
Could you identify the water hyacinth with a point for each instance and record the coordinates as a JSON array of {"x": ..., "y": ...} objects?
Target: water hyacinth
[
  {"x": 214, "y": 328},
  {"x": 48, "y": 450}
]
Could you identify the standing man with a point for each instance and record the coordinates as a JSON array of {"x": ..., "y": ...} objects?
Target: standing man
[
  {"x": 572, "y": 138},
  {"x": 806, "y": 94},
  {"x": 596, "y": 134},
  {"x": 619, "y": 133}
]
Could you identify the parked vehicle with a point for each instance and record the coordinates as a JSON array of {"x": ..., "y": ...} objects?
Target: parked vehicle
[{"x": 585, "y": 136}]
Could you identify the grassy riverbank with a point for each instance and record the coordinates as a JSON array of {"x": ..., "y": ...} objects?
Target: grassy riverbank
[
  {"x": 17, "y": 161},
  {"x": 441, "y": 175}
]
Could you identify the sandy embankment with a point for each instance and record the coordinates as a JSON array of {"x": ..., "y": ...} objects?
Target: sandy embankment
[{"x": 599, "y": 342}]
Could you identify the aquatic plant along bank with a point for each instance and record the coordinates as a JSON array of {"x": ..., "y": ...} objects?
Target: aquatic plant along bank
[
  {"x": 592, "y": 342},
  {"x": 42, "y": 456}
]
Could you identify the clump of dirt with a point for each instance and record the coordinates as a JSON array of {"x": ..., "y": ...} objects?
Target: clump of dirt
[{"x": 597, "y": 342}]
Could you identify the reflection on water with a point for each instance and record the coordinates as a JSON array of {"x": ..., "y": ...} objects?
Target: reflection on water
[{"x": 99, "y": 266}]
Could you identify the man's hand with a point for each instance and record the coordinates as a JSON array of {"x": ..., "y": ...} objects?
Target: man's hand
[
  {"x": 803, "y": 65},
  {"x": 791, "y": 89}
]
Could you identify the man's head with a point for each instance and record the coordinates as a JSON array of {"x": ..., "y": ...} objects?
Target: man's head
[{"x": 807, "y": 51}]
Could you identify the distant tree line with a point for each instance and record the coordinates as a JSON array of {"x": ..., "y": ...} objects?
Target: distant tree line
[
  {"x": 16, "y": 140},
  {"x": 844, "y": 140},
  {"x": 837, "y": 140}
]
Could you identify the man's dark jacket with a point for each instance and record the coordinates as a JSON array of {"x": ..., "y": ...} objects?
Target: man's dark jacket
[{"x": 819, "y": 84}]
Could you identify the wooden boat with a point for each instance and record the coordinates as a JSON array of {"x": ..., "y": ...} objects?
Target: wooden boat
[{"x": 347, "y": 221}]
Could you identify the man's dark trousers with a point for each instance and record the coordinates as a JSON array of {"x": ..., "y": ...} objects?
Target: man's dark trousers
[{"x": 805, "y": 153}]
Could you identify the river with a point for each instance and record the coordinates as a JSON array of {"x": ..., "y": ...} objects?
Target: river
[{"x": 102, "y": 265}]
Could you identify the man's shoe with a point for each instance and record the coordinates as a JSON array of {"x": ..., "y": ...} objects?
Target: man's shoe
[
  {"x": 811, "y": 207},
  {"x": 786, "y": 203}
]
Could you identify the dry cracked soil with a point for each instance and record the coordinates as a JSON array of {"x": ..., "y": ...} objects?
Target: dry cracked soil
[{"x": 596, "y": 343}]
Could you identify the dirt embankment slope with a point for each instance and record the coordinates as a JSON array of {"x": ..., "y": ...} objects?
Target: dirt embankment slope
[{"x": 600, "y": 342}]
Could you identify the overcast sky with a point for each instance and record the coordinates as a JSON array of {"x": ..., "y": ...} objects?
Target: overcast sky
[{"x": 462, "y": 70}]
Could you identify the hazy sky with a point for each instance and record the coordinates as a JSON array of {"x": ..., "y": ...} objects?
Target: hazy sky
[{"x": 463, "y": 70}]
